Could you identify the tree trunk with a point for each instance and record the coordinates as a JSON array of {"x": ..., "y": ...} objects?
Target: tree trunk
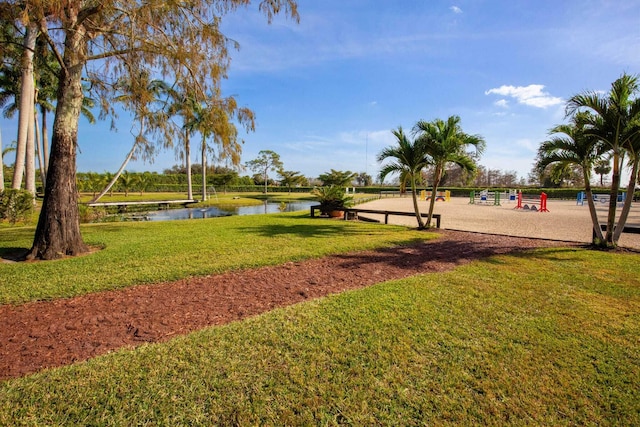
[
  {"x": 266, "y": 179},
  {"x": 117, "y": 175},
  {"x": 58, "y": 231},
  {"x": 45, "y": 139},
  {"x": 1, "y": 165},
  {"x": 432, "y": 203},
  {"x": 25, "y": 115},
  {"x": 624, "y": 214},
  {"x": 43, "y": 176},
  {"x": 592, "y": 209},
  {"x": 204, "y": 170},
  {"x": 613, "y": 200},
  {"x": 30, "y": 154},
  {"x": 416, "y": 207},
  {"x": 187, "y": 156}
]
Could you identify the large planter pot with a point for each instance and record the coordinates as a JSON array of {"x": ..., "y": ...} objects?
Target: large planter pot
[{"x": 336, "y": 214}]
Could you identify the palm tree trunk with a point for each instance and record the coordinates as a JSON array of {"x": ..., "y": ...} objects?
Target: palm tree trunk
[
  {"x": 432, "y": 203},
  {"x": 613, "y": 200},
  {"x": 117, "y": 175},
  {"x": 1, "y": 165},
  {"x": 204, "y": 170},
  {"x": 592, "y": 209},
  {"x": 43, "y": 177},
  {"x": 624, "y": 214},
  {"x": 45, "y": 139},
  {"x": 187, "y": 155},
  {"x": 30, "y": 154},
  {"x": 26, "y": 103},
  {"x": 416, "y": 207}
]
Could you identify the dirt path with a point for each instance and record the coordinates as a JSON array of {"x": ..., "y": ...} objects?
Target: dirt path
[{"x": 39, "y": 335}]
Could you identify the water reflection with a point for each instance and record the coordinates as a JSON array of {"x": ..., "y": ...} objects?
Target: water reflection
[{"x": 214, "y": 212}]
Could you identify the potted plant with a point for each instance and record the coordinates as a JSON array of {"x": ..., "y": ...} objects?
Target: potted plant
[{"x": 332, "y": 200}]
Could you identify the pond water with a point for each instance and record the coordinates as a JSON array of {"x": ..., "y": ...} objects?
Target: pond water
[{"x": 212, "y": 212}]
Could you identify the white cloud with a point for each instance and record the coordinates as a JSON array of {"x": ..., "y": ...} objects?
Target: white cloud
[
  {"x": 455, "y": 9},
  {"x": 502, "y": 103},
  {"x": 527, "y": 144},
  {"x": 532, "y": 95}
]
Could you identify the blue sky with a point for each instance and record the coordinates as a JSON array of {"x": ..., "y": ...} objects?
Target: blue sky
[{"x": 328, "y": 91}]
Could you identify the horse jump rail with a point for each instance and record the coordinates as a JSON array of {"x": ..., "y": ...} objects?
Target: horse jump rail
[
  {"x": 386, "y": 214},
  {"x": 524, "y": 200}
]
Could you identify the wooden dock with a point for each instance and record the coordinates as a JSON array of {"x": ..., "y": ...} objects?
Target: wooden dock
[{"x": 162, "y": 204}]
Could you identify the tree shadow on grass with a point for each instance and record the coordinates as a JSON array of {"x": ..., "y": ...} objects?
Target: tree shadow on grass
[
  {"x": 315, "y": 228},
  {"x": 444, "y": 254},
  {"x": 13, "y": 254}
]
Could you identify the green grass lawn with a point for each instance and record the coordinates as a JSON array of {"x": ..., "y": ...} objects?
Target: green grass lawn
[
  {"x": 549, "y": 337},
  {"x": 148, "y": 252}
]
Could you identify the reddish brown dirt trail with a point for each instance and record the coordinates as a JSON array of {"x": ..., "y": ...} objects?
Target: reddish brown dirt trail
[{"x": 39, "y": 335}]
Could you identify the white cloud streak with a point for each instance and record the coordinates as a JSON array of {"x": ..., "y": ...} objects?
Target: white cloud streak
[
  {"x": 532, "y": 95},
  {"x": 455, "y": 9}
]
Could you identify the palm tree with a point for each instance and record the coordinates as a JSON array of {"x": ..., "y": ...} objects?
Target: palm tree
[
  {"x": 445, "y": 143},
  {"x": 105, "y": 178},
  {"x": 202, "y": 122},
  {"x": 291, "y": 178},
  {"x": 602, "y": 168},
  {"x": 140, "y": 96},
  {"x": 95, "y": 181},
  {"x": 184, "y": 105},
  {"x": 614, "y": 121},
  {"x": 212, "y": 117},
  {"x": 409, "y": 158},
  {"x": 143, "y": 181},
  {"x": 569, "y": 145},
  {"x": 126, "y": 182}
]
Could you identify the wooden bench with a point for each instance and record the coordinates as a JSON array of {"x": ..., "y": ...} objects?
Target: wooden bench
[
  {"x": 627, "y": 229},
  {"x": 353, "y": 212}
]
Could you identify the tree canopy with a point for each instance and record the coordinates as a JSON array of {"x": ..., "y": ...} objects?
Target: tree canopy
[
  {"x": 101, "y": 43},
  {"x": 337, "y": 178},
  {"x": 266, "y": 161}
]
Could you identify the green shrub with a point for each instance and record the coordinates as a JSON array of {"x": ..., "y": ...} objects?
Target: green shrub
[
  {"x": 92, "y": 214},
  {"x": 332, "y": 198},
  {"x": 15, "y": 205}
]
